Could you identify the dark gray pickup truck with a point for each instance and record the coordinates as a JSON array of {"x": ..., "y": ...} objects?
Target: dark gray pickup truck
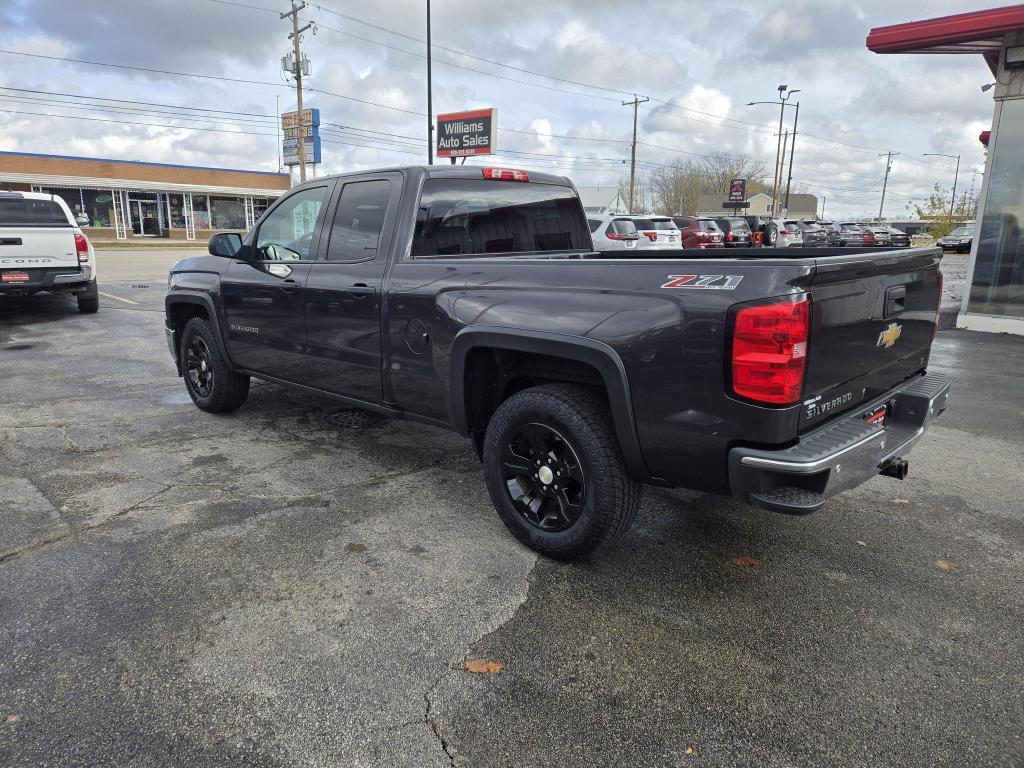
[{"x": 471, "y": 298}]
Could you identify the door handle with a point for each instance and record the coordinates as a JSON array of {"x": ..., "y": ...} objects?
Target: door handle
[{"x": 361, "y": 291}]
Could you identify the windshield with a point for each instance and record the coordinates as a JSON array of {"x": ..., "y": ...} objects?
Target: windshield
[
  {"x": 663, "y": 224},
  {"x": 37, "y": 213},
  {"x": 642, "y": 224},
  {"x": 962, "y": 232},
  {"x": 739, "y": 225},
  {"x": 622, "y": 227},
  {"x": 792, "y": 226},
  {"x": 709, "y": 225}
]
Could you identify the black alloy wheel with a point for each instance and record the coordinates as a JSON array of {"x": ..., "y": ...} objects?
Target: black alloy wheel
[
  {"x": 199, "y": 366},
  {"x": 544, "y": 477}
]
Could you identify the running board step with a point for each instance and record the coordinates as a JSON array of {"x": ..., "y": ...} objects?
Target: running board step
[{"x": 788, "y": 500}]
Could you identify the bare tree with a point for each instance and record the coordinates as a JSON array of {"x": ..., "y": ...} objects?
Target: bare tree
[
  {"x": 718, "y": 169},
  {"x": 675, "y": 188}
]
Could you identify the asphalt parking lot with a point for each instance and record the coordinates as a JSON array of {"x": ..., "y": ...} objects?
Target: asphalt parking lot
[{"x": 302, "y": 584}]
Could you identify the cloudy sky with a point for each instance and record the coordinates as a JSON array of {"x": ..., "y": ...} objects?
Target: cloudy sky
[{"x": 569, "y": 65}]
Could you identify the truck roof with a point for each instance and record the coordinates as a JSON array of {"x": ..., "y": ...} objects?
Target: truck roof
[{"x": 452, "y": 172}]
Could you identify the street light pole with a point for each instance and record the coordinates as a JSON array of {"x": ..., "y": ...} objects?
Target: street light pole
[
  {"x": 792, "y": 150},
  {"x": 885, "y": 182},
  {"x": 956, "y": 176},
  {"x": 430, "y": 99},
  {"x": 780, "y": 162}
]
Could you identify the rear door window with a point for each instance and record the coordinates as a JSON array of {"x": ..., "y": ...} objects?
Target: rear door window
[
  {"x": 468, "y": 217},
  {"x": 359, "y": 219},
  {"x": 32, "y": 213}
]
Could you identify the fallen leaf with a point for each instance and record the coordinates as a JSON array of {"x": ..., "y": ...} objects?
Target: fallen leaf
[
  {"x": 593, "y": 637},
  {"x": 902, "y": 501},
  {"x": 688, "y": 751},
  {"x": 947, "y": 565},
  {"x": 353, "y": 547},
  {"x": 743, "y": 561},
  {"x": 484, "y": 667},
  {"x": 862, "y": 543}
]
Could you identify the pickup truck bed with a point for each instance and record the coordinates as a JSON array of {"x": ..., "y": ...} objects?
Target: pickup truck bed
[{"x": 475, "y": 302}]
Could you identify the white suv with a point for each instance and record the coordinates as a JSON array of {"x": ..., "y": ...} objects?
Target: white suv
[
  {"x": 658, "y": 232},
  {"x": 613, "y": 232},
  {"x": 43, "y": 249}
]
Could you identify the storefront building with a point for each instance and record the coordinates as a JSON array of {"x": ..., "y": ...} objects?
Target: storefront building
[
  {"x": 119, "y": 199},
  {"x": 995, "y": 298}
]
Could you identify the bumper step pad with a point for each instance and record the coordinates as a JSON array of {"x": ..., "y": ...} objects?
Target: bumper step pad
[{"x": 789, "y": 500}]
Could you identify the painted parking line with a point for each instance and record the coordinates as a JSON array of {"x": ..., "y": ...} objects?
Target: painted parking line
[{"x": 118, "y": 298}]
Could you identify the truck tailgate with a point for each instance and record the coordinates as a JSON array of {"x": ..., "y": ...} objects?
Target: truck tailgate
[
  {"x": 25, "y": 247},
  {"x": 872, "y": 322}
]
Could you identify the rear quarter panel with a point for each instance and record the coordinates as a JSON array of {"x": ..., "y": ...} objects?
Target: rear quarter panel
[{"x": 671, "y": 340}]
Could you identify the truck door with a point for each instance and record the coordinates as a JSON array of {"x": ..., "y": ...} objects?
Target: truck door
[
  {"x": 344, "y": 288},
  {"x": 263, "y": 292}
]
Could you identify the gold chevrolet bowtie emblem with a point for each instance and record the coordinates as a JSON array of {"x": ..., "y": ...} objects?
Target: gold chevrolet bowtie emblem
[{"x": 889, "y": 336}]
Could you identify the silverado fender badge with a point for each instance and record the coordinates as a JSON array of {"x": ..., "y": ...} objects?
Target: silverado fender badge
[
  {"x": 888, "y": 337},
  {"x": 706, "y": 282}
]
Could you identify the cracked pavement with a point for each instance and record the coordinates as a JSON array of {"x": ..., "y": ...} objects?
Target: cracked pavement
[{"x": 272, "y": 588}]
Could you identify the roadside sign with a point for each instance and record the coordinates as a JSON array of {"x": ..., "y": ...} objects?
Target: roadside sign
[
  {"x": 460, "y": 134},
  {"x": 308, "y": 125},
  {"x": 737, "y": 190}
]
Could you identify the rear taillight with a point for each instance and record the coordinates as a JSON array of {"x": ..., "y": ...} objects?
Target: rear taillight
[
  {"x": 617, "y": 236},
  {"x": 728, "y": 237},
  {"x": 652, "y": 236},
  {"x": 769, "y": 351},
  {"x": 82, "y": 248},
  {"x": 505, "y": 174}
]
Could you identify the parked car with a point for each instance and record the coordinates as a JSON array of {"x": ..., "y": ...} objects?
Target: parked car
[
  {"x": 959, "y": 240},
  {"x": 42, "y": 249},
  {"x": 852, "y": 233},
  {"x": 813, "y": 235},
  {"x": 457, "y": 317},
  {"x": 657, "y": 232},
  {"x": 898, "y": 238},
  {"x": 831, "y": 230},
  {"x": 881, "y": 234},
  {"x": 613, "y": 232},
  {"x": 697, "y": 232},
  {"x": 785, "y": 234},
  {"x": 736, "y": 231}
]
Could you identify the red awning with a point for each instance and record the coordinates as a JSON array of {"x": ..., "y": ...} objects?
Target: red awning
[{"x": 976, "y": 32}]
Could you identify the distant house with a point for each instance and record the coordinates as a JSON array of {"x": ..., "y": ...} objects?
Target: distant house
[
  {"x": 603, "y": 200},
  {"x": 801, "y": 206}
]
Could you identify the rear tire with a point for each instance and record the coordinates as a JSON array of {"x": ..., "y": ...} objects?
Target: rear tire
[
  {"x": 581, "y": 499},
  {"x": 210, "y": 382},
  {"x": 89, "y": 299}
]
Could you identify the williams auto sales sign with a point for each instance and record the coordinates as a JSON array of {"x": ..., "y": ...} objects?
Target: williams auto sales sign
[{"x": 467, "y": 133}]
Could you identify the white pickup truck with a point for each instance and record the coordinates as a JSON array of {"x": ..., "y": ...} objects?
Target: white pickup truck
[{"x": 43, "y": 249}]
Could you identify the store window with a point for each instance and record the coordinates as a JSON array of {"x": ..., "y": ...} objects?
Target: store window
[
  {"x": 73, "y": 197},
  {"x": 176, "y": 211},
  {"x": 259, "y": 206},
  {"x": 99, "y": 207},
  {"x": 201, "y": 211},
  {"x": 227, "y": 213},
  {"x": 997, "y": 287}
]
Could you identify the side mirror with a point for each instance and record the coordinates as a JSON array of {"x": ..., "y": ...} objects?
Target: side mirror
[{"x": 225, "y": 244}]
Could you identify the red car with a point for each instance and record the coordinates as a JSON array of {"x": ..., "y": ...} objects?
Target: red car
[{"x": 699, "y": 232}]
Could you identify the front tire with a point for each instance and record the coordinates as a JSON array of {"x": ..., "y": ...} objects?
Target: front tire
[
  {"x": 89, "y": 299},
  {"x": 210, "y": 382},
  {"x": 555, "y": 472}
]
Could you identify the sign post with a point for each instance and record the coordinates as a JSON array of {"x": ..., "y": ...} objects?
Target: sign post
[
  {"x": 308, "y": 124},
  {"x": 462, "y": 134}
]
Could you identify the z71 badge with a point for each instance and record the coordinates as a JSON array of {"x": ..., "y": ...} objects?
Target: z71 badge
[{"x": 705, "y": 282}]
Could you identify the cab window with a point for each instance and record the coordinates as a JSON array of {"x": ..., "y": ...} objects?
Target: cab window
[
  {"x": 359, "y": 220},
  {"x": 287, "y": 232}
]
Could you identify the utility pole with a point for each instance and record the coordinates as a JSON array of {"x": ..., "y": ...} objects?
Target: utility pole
[
  {"x": 296, "y": 38},
  {"x": 635, "y": 103},
  {"x": 885, "y": 182},
  {"x": 792, "y": 150},
  {"x": 430, "y": 101},
  {"x": 780, "y": 160}
]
